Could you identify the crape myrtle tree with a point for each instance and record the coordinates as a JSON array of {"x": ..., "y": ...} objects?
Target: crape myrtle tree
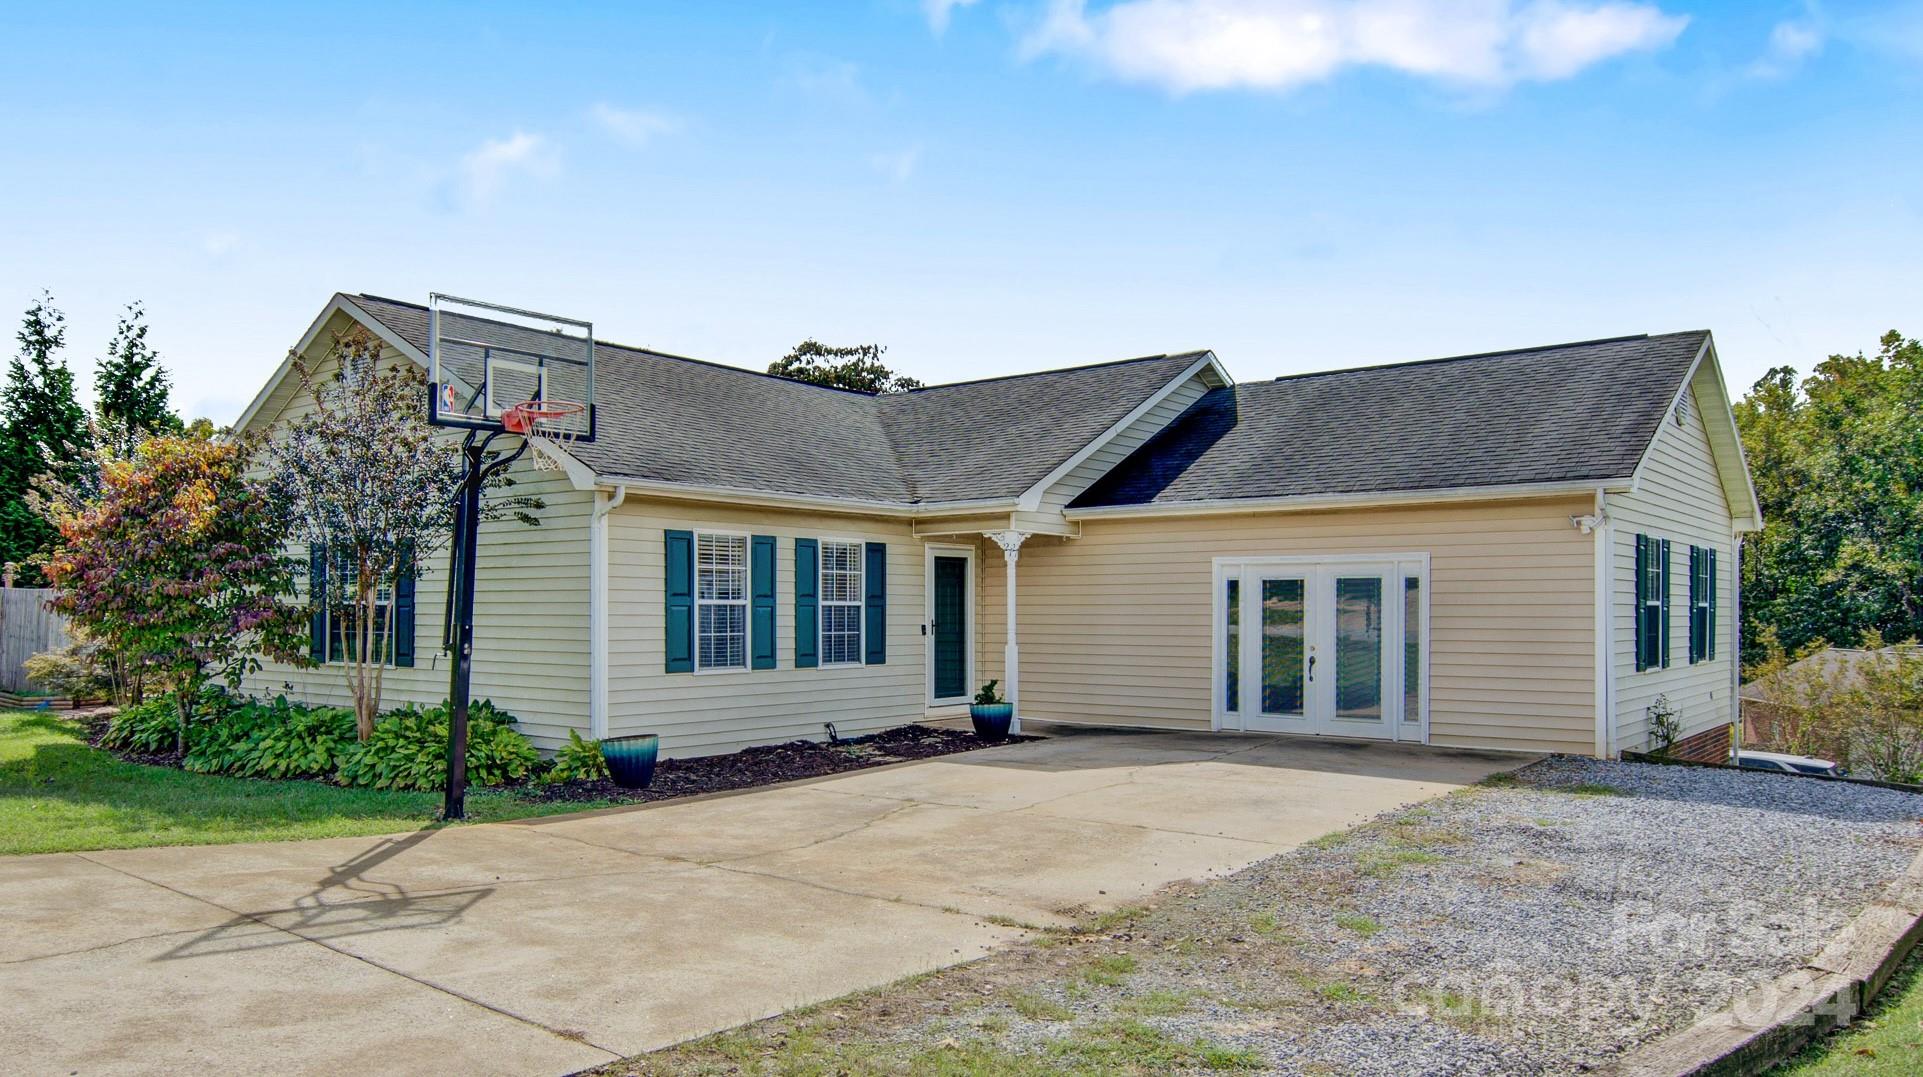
[
  {"x": 857, "y": 367},
  {"x": 180, "y": 560},
  {"x": 370, "y": 486},
  {"x": 43, "y": 432}
]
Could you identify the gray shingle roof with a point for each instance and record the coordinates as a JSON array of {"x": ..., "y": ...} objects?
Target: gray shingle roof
[
  {"x": 670, "y": 419},
  {"x": 1566, "y": 413}
]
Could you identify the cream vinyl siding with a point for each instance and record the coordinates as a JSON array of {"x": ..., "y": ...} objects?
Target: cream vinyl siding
[
  {"x": 726, "y": 710},
  {"x": 1116, "y": 626},
  {"x": 1681, "y": 498},
  {"x": 530, "y": 608},
  {"x": 1102, "y": 460}
]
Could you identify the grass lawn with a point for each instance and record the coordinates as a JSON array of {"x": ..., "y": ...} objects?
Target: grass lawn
[
  {"x": 1888, "y": 1041},
  {"x": 58, "y": 794}
]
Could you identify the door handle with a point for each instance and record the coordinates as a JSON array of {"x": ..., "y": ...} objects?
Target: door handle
[{"x": 1312, "y": 667}]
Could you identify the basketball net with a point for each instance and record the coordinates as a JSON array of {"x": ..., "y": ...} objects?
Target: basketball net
[{"x": 546, "y": 420}]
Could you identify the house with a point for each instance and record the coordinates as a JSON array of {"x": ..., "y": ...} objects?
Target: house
[
  {"x": 1798, "y": 705},
  {"x": 1516, "y": 550}
]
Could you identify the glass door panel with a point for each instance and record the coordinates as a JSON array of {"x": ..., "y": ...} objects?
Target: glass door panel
[
  {"x": 1232, "y": 648},
  {"x": 1358, "y": 648},
  {"x": 1285, "y": 646}
]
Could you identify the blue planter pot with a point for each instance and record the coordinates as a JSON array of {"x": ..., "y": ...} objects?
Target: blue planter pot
[
  {"x": 991, "y": 719},
  {"x": 631, "y": 759}
]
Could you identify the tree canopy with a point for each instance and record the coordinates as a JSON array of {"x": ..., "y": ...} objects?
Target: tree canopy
[
  {"x": 857, "y": 367},
  {"x": 1837, "y": 459},
  {"x": 43, "y": 431},
  {"x": 131, "y": 388}
]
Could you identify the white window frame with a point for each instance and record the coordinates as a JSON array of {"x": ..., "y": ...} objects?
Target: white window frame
[
  {"x": 747, "y": 589},
  {"x": 860, "y": 602}
]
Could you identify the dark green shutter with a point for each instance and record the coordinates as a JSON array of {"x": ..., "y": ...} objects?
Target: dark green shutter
[
  {"x": 680, "y": 592},
  {"x": 807, "y": 603},
  {"x": 761, "y": 620},
  {"x": 317, "y": 595},
  {"x": 1644, "y": 648},
  {"x": 1662, "y": 551},
  {"x": 1709, "y": 618},
  {"x": 403, "y": 612},
  {"x": 1695, "y": 593},
  {"x": 874, "y": 577}
]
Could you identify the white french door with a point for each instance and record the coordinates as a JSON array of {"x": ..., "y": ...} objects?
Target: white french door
[{"x": 1335, "y": 647}]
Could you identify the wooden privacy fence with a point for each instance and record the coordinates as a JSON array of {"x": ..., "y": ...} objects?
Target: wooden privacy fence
[{"x": 27, "y": 627}]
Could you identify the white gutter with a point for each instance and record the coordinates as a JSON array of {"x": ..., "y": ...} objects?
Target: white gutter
[
  {"x": 604, "y": 503},
  {"x": 856, "y": 506},
  {"x": 1605, "y": 556},
  {"x": 1343, "y": 501}
]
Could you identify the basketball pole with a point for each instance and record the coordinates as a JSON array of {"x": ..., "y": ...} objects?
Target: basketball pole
[{"x": 475, "y": 474}]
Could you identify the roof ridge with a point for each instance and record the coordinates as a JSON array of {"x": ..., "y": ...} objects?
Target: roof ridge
[
  {"x": 599, "y": 343},
  {"x": 1052, "y": 370},
  {"x": 1478, "y": 355}
]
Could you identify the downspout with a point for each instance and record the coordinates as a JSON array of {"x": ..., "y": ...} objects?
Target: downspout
[
  {"x": 1596, "y": 524},
  {"x": 604, "y": 503}
]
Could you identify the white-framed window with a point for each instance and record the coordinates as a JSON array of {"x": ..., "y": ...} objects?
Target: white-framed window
[
  {"x": 720, "y": 601},
  {"x": 841, "y": 596}
]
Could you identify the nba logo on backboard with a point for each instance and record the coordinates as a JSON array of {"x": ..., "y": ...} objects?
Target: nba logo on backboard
[{"x": 447, "y": 397}]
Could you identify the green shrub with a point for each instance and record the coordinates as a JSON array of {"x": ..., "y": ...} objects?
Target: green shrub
[
  {"x": 579, "y": 760},
  {"x": 277, "y": 739},
  {"x": 145, "y": 727},
  {"x": 408, "y": 750}
]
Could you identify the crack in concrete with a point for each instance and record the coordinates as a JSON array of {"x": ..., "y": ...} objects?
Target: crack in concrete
[
  {"x": 570, "y": 1035},
  {"x": 105, "y": 945}
]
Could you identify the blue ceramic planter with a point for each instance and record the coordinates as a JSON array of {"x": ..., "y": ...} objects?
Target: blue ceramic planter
[
  {"x": 631, "y": 759},
  {"x": 991, "y": 719}
]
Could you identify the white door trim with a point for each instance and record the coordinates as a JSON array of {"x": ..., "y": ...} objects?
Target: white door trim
[
  {"x": 1250, "y": 568},
  {"x": 970, "y": 638}
]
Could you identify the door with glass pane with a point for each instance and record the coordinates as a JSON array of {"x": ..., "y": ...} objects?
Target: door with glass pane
[
  {"x": 1329, "y": 647},
  {"x": 1278, "y": 652}
]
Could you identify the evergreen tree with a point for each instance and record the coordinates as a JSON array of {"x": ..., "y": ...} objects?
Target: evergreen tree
[
  {"x": 131, "y": 389},
  {"x": 44, "y": 433}
]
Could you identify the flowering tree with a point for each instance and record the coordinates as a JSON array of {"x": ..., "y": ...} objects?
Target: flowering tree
[
  {"x": 181, "y": 561},
  {"x": 371, "y": 486}
]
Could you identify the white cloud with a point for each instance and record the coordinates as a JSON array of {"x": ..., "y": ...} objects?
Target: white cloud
[
  {"x": 1790, "y": 43},
  {"x": 939, "y": 12},
  {"x": 897, "y": 166},
  {"x": 636, "y": 127},
  {"x": 486, "y": 170},
  {"x": 1189, "y": 45}
]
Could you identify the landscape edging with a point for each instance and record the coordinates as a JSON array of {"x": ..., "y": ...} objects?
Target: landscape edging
[{"x": 1773, "y": 1021}]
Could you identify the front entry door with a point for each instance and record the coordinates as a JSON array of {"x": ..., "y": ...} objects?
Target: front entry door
[
  {"x": 948, "y": 628},
  {"x": 1315, "y": 640}
]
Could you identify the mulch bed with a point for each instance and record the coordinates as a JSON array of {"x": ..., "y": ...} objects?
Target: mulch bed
[
  {"x": 673, "y": 778},
  {"x": 773, "y": 763}
]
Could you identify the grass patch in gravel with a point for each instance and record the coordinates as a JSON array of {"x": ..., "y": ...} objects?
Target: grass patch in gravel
[
  {"x": 1365, "y": 926},
  {"x": 1533, "y": 947}
]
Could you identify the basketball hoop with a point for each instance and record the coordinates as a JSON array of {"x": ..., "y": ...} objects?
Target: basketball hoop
[{"x": 546, "y": 419}]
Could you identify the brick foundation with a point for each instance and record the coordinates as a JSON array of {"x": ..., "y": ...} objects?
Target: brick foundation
[{"x": 1709, "y": 746}]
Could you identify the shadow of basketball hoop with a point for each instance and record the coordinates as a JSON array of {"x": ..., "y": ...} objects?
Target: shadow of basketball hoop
[{"x": 343, "y": 904}]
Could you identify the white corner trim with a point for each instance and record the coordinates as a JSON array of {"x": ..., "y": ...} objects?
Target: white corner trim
[
  {"x": 1308, "y": 502},
  {"x": 1031, "y": 499}
]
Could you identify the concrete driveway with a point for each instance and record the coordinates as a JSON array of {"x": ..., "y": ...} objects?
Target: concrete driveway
[{"x": 554, "y": 945}]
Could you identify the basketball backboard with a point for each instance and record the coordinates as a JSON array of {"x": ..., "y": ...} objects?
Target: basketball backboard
[{"x": 484, "y": 358}]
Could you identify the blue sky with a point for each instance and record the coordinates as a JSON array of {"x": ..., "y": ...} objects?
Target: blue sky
[{"x": 984, "y": 187}]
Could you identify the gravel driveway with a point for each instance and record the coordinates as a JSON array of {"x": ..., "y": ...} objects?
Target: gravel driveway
[{"x": 1542, "y": 923}]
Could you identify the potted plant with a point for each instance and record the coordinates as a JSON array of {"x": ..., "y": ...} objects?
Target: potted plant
[
  {"x": 991, "y": 713},
  {"x": 631, "y": 759}
]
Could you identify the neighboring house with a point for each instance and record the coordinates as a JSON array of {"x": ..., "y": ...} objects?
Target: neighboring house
[
  {"x": 1514, "y": 550},
  {"x": 1809, "y": 685}
]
